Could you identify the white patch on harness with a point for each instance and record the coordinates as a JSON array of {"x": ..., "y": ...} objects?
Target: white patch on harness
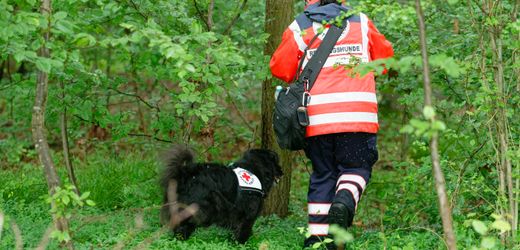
[{"x": 247, "y": 180}]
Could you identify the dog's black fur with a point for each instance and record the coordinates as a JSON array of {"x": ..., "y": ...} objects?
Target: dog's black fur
[{"x": 214, "y": 188}]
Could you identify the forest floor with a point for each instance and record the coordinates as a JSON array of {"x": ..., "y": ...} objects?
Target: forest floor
[{"x": 126, "y": 214}]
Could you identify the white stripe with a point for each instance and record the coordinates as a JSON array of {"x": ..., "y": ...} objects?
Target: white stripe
[
  {"x": 319, "y": 208},
  {"x": 343, "y": 117},
  {"x": 343, "y": 97},
  {"x": 364, "y": 35},
  {"x": 336, "y": 61},
  {"x": 341, "y": 55},
  {"x": 297, "y": 33},
  {"x": 317, "y": 26},
  {"x": 350, "y": 187},
  {"x": 318, "y": 229},
  {"x": 329, "y": 63},
  {"x": 341, "y": 49},
  {"x": 355, "y": 178}
]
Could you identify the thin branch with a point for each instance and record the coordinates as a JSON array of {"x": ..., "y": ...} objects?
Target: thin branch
[
  {"x": 11, "y": 84},
  {"x": 461, "y": 173},
  {"x": 44, "y": 242},
  {"x": 6, "y": 87},
  {"x": 65, "y": 143},
  {"x": 201, "y": 15},
  {"x": 139, "y": 225},
  {"x": 1, "y": 224},
  {"x": 177, "y": 216},
  {"x": 210, "y": 14},
  {"x": 150, "y": 136},
  {"x": 136, "y": 8},
  {"x": 17, "y": 235},
  {"x": 187, "y": 135},
  {"x": 2, "y": 69},
  {"x": 238, "y": 111},
  {"x": 440, "y": 183},
  {"x": 237, "y": 16},
  {"x": 514, "y": 13},
  {"x": 138, "y": 98},
  {"x": 459, "y": 96}
]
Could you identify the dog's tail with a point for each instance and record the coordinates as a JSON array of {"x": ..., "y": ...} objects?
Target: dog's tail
[{"x": 177, "y": 161}]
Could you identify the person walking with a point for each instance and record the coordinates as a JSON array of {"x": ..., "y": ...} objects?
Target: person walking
[{"x": 342, "y": 133}]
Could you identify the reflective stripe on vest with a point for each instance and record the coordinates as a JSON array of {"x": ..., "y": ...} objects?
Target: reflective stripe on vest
[{"x": 340, "y": 102}]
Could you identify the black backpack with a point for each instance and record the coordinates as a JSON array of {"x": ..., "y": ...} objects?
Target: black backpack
[{"x": 290, "y": 117}]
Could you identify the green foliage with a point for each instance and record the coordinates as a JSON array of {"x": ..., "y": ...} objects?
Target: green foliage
[
  {"x": 489, "y": 241},
  {"x": 125, "y": 188},
  {"x": 341, "y": 236},
  {"x": 66, "y": 200},
  {"x": 190, "y": 67},
  {"x": 139, "y": 73}
]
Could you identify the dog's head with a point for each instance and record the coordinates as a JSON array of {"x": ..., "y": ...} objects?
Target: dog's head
[{"x": 264, "y": 164}]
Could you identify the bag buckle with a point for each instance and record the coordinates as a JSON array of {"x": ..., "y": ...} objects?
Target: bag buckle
[
  {"x": 306, "y": 98},
  {"x": 305, "y": 83}
]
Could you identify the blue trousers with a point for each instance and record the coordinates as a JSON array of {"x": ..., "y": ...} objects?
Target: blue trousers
[{"x": 342, "y": 166}]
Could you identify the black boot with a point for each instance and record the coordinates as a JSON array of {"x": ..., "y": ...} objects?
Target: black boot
[{"x": 342, "y": 209}]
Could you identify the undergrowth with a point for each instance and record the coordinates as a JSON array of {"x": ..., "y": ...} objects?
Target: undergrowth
[{"x": 127, "y": 197}]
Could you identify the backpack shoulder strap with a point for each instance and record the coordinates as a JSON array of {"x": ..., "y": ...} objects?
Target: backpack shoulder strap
[{"x": 313, "y": 67}]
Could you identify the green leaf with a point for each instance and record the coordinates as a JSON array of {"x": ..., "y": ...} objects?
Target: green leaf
[
  {"x": 452, "y": 2},
  {"x": 90, "y": 203},
  {"x": 190, "y": 67},
  {"x": 407, "y": 129},
  {"x": 479, "y": 227},
  {"x": 328, "y": 240},
  {"x": 60, "y": 15},
  {"x": 66, "y": 236},
  {"x": 127, "y": 26},
  {"x": 438, "y": 126},
  {"x": 65, "y": 27},
  {"x": 496, "y": 216},
  {"x": 83, "y": 40},
  {"x": 20, "y": 56},
  {"x": 43, "y": 64},
  {"x": 316, "y": 245},
  {"x": 84, "y": 195},
  {"x": 429, "y": 112},
  {"x": 65, "y": 200},
  {"x": 448, "y": 64},
  {"x": 56, "y": 234},
  {"x": 488, "y": 242},
  {"x": 501, "y": 225}
]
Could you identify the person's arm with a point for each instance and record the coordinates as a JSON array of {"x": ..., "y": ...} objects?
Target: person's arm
[
  {"x": 286, "y": 58},
  {"x": 379, "y": 47}
]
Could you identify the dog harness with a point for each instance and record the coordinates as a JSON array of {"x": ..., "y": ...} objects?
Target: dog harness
[{"x": 248, "y": 182}]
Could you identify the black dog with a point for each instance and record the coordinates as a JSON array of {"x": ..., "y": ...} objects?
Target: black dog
[{"x": 230, "y": 197}]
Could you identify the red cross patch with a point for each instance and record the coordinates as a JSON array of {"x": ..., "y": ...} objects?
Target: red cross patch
[{"x": 246, "y": 177}]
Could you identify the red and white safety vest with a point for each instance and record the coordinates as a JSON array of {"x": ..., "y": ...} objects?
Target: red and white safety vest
[{"x": 339, "y": 103}]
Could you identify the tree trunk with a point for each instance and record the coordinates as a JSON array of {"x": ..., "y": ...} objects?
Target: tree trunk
[
  {"x": 38, "y": 121},
  {"x": 507, "y": 196},
  {"x": 279, "y": 14},
  {"x": 502, "y": 124},
  {"x": 440, "y": 185}
]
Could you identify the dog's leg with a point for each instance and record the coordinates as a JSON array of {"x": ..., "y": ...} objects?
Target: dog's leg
[
  {"x": 244, "y": 231},
  {"x": 184, "y": 230}
]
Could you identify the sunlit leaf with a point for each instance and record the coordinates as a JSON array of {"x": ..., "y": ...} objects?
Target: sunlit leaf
[{"x": 480, "y": 227}]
